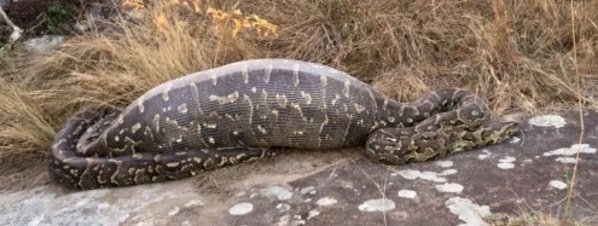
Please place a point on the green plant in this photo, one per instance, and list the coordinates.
(54, 16)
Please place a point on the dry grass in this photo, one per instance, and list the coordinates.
(516, 54)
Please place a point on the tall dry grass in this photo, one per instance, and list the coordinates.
(516, 54)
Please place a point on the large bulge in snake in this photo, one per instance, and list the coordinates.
(257, 104)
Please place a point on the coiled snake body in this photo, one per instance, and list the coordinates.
(244, 110)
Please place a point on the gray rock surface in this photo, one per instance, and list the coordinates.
(531, 172)
(43, 43)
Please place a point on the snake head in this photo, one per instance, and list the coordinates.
(499, 131)
(404, 145)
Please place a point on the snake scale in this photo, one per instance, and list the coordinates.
(246, 110)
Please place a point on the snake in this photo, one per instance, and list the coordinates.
(251, 109)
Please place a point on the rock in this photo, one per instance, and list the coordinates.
(326, 188)
(43, 43)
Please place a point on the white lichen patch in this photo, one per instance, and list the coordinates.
(582, 148)
(514, 140)
(508, 159)
(298, 220)
(409, 194)
(447, 172)
(555, 121)
(283, 207)
(484, 155)
(410, 174)
(193, 203)
(174, 211)
(472, 214)
(326, 201)
(449, 188)
(374, 205)
(284, 220)
(444, 163)
(308, 190)
(276, 191)
(103, 205)
(505, 165)
(566, 159)
(506, 162)
(241, 209)
(558, 184)
(312, 213)
(407, 174)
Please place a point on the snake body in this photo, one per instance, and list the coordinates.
(245, 110)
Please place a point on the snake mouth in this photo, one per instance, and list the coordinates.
(398, 146)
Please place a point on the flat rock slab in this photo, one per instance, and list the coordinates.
(531, 172)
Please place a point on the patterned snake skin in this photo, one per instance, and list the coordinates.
(245, 110)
